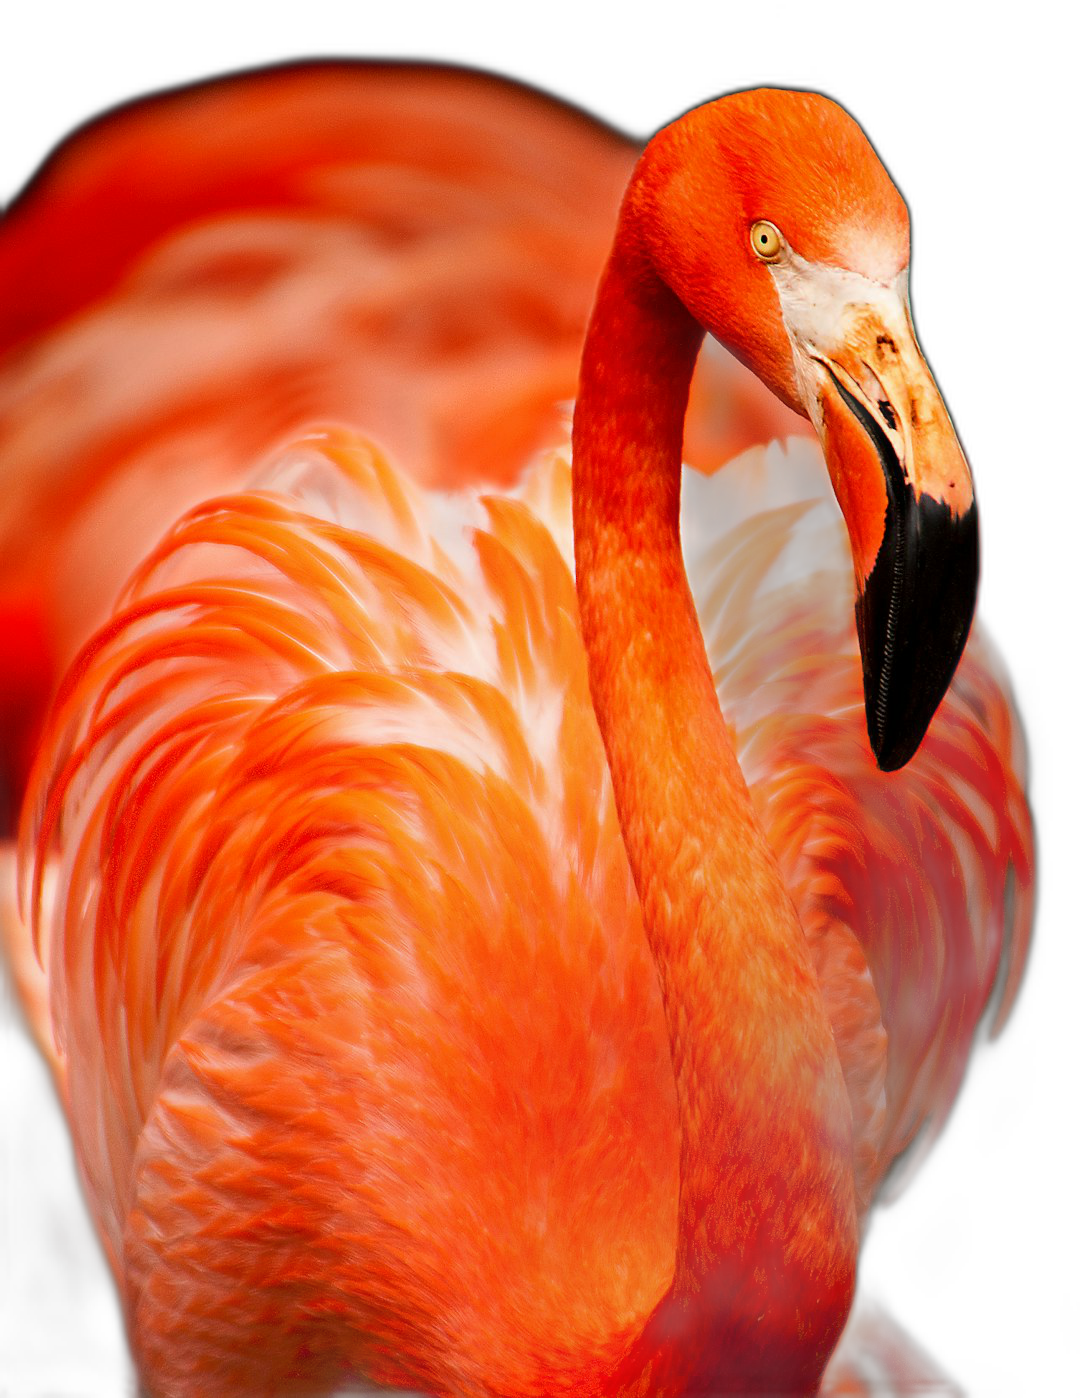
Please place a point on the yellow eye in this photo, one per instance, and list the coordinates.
(766, 240)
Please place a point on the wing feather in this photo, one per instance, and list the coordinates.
(916, 889)
(296, 742)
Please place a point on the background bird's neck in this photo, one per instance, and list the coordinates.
(764, 1263)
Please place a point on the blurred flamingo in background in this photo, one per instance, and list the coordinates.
(440, 990)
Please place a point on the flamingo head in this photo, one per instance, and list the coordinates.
(772, 219)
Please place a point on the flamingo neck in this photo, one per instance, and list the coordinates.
(766, 1245)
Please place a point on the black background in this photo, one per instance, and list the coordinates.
(963, 1260)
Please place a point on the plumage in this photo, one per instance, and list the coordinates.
(360, 1029)
(417, 259)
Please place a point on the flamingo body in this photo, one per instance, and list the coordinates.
(361, 1032)
(342, 730)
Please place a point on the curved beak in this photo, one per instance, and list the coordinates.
(906, 493)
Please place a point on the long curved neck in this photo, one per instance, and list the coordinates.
(765, 1253)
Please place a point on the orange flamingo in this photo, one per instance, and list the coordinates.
(448, 995)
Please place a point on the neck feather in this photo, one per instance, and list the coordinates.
(765, 1253)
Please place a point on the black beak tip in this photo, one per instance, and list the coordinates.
(913, 618)
(893, 753)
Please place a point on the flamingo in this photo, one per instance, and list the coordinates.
(443, 990)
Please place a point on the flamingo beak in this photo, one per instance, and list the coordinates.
(906, 493)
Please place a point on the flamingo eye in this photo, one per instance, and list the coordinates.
(766, 240)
